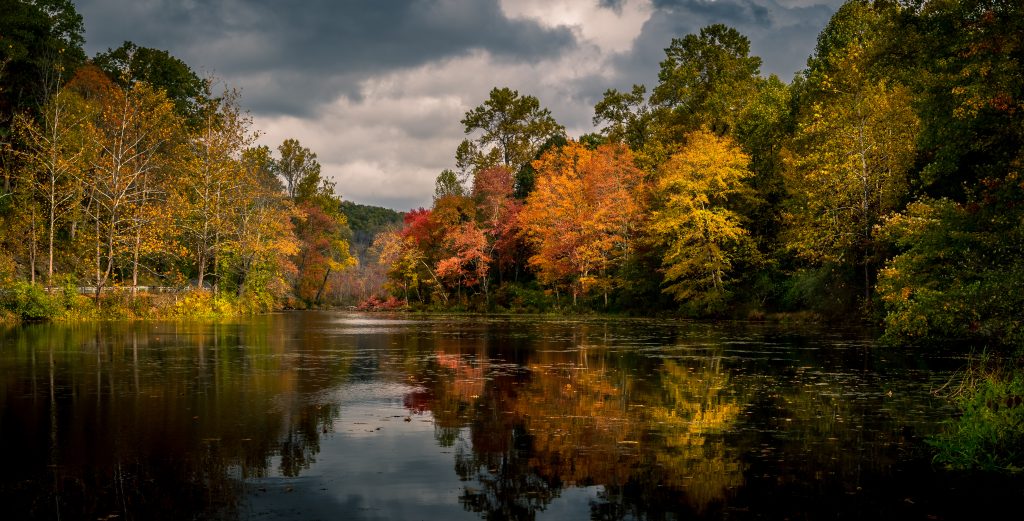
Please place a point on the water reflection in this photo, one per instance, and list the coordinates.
(366, 416)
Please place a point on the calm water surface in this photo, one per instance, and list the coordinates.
(352, 416)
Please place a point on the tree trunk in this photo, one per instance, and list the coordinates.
(135, 263)
(202, 268)
(53, 220)
(32, 248)
(322, 285)
(98, 245)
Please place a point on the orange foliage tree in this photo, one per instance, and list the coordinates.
(498, 215)
(582, 216)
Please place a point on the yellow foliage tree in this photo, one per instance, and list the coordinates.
(57, 154)
(133, 133)
(205, 198)
(701, 235)
(847, 167)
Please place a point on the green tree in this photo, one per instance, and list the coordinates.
(40, 47)
(959, 271)
(512, 127)
(626, 116)
(447, 184)
(706, 80)
(971, 75)
(131, 63)
(298, 166)
(763, 129)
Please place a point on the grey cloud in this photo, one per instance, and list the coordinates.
(729, 12)
(410, 68)
(614, 5)
(782, 35)
(317, 49)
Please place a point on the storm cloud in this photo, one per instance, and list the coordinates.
(377, 88)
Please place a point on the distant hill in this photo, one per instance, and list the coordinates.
(366, 222)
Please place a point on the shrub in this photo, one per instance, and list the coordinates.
(375, 304)
(29, 301)
(523, 298)
(989, 433)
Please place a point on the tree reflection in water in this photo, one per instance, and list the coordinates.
(160, 422)
(579, 417)
(618, 419)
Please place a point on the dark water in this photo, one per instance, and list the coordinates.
(347, 416)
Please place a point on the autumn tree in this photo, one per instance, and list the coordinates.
(261, 241)
(205, 199)
(582, 216)
(320, 226)
(40, 47)
(56, 152)
(447, 235)
(702, 235)
(323, 249)
(402, 261)
(131, 133)
(850, 159)
(467, 264)
(498, 216)
(259, 162)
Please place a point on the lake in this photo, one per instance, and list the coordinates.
(333, 415)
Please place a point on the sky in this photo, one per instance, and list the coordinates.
(376, 88)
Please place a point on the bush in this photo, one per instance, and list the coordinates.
(989, 434)
(29, 301)
(375, 304)
(522, 298)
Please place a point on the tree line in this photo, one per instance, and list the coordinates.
(882, 182)
(129, 169)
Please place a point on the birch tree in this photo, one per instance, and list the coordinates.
(132, 133)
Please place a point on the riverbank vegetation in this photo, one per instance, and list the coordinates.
(884, 183)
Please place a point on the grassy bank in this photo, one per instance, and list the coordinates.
(25, 302)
